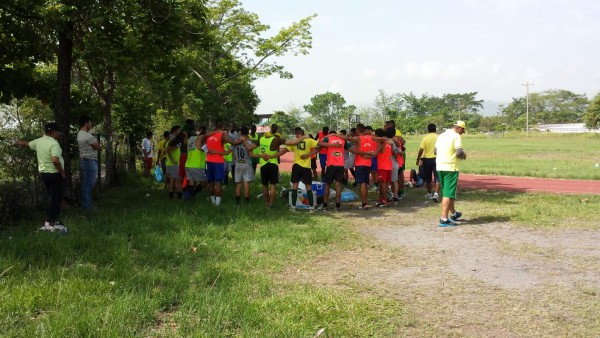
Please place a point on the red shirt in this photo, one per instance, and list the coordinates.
(215, 142)
(335, 156)
(384, 159)
(320, 137)
(366, 145)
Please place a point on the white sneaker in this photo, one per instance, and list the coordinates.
(60, 227)
(429, 196)
(436, 198)
(47, 227)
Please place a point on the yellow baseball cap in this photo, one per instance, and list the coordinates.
(461, 124)
(398, 133)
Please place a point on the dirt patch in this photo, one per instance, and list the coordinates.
(490, 279)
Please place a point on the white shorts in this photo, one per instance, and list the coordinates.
(243, 173)
(173, 171)
(196, 174)
(349, 161)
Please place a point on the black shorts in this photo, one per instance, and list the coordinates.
(301, 174)
(269, 173)
(429, 169)
(313, 163)
(362, 174)
(334, 173)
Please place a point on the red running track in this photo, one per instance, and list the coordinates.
(505, 183)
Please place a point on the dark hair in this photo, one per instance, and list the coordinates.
(379, 132)
(392, 122)
(353, 130)
(325, 130)
(244, 130)
(219, 124)
(176, 140)
(390, 132)
(175, 128)
(332, 132)
(253, 127)
(274, 128)
(431, 128)
(368, 128)
(343, 132)
(299, 130)
(149, 134)
(189, 122)
(166, 134)
(83, 120)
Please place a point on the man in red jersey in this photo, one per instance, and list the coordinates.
(364, 151)
(215, 163)
(384, 164)
(323, 152)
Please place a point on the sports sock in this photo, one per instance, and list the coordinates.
(294, 197)
(213, 199)
(217, 201)
(311, 200)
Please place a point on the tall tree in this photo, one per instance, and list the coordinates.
(592, 115)
(237, 48)
(328, 109)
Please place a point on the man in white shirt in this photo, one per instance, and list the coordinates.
(147, 153)
(88, 160)
(448, 150)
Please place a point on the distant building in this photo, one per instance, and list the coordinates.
(566, 128)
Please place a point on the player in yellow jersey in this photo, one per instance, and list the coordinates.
(301, 170)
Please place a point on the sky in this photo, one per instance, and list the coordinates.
(434, 47)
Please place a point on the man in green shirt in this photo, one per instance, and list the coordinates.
(51, 168)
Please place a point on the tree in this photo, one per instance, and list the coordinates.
(592, 114)
(236, 49)
(285, 122)
(328, 109)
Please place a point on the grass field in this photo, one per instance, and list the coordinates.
(537, 155)
(153, 267)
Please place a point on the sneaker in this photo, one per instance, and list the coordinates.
(58, 226)
(401, 196)
(365, 207)
(447, 223)
(324, 209)
(383, 204)
(429, 196)
(436, 198)
(47, 227)
(293, 209)
(457, 215)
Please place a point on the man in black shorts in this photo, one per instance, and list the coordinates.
(335, 145)
(426, 158)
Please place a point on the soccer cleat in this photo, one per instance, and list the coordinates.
(436, 198)
(58, 226)
(382, 204)
(456, 216)
(47, 227)
(401, 196)
(446, 223)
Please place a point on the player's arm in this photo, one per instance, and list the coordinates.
(419, 157)
(250, 145)
(277, 142)
(313, 152)
(281, 152)
(227, 139)
(353, 139)
(21, 143)
(295, 141)
(58, 166)
(329, 145)
(460, 153)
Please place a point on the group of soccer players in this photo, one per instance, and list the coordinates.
(201, 158)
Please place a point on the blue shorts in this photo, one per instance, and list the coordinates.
(374, 164)
(362, 174)
(323, 160)
(215, 172)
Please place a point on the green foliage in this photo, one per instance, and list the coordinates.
(330, 110)
(285, 122)
(592, 114)
(552, 106)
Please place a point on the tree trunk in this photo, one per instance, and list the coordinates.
(110, 160)
(132, 154)
(63, 95)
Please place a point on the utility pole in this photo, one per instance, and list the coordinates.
(527, 116)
